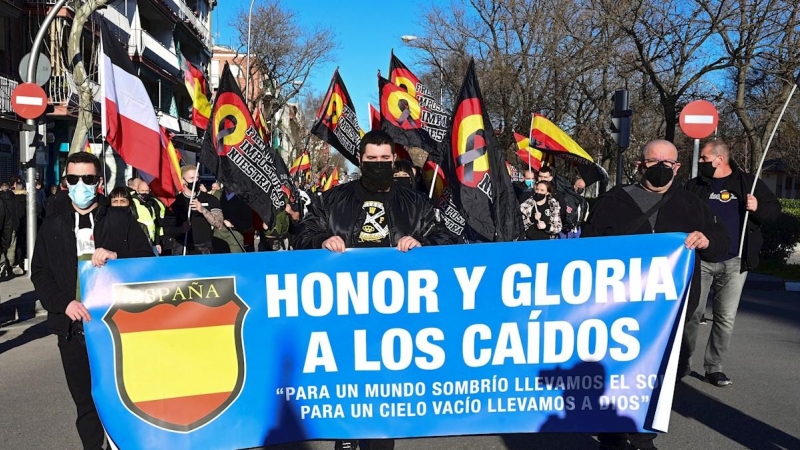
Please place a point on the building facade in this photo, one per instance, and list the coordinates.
(11, 52)
(152, 31)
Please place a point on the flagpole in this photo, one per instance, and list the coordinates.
(761, 165)
(189, 213)
(433, 180)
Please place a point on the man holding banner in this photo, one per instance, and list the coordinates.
(654, 205)
(80, 227)
(370, 213)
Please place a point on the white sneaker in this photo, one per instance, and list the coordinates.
(18, 270)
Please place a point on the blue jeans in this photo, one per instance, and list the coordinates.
(728, 283)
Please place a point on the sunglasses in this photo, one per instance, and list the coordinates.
(87, 179)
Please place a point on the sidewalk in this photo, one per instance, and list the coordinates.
(17, 300)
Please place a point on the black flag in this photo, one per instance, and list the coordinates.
(476, 170)
(235, 152)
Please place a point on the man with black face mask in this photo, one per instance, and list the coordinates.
(371, 212)
(150, 212)
(726, 190)
(656, 205)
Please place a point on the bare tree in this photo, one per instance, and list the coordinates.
(762, 39)
(80, 72)
(283, 51)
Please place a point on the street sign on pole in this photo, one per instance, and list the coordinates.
(43, 69)
(699, 119)
(29, 101)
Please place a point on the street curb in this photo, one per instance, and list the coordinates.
(772, 285)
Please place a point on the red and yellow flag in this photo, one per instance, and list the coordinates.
(374, 117)
(179, 364)
(302, 163)
(548, 137)
(168, 181)
(332, 180)
(196, 84)
(528, 155)
(260, 124)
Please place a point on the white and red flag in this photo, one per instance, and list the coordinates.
(129, 119)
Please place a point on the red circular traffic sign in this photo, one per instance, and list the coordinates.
(699, 119)
(29, 101)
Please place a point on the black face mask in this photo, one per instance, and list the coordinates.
(658, 175)
(406, 182)
(144, 197)
(580, 191)
(377, 175)
(706, 169)
(196, 187)
(539, 197)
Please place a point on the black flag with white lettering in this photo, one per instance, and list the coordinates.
(235, 152)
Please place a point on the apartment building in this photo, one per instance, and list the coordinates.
(152, 31)
(11, 52)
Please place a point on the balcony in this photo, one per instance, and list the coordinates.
(61, 91)
(150, 48)
(185, 14)
(7, 85)
(187, 127)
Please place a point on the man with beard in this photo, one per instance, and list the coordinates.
(79, 226)
(371, 212)
(656, 205)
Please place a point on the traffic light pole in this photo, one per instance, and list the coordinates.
(26, 153)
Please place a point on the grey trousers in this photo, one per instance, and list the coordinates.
(727, 282)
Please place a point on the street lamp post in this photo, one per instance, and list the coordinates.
(247, 76)
(410, 37)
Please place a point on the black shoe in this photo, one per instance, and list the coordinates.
(718, 379)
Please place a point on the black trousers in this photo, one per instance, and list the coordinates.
(75, 360)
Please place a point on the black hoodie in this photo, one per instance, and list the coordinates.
(54, 269)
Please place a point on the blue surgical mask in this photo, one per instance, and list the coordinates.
(81, 194)
(529, 183)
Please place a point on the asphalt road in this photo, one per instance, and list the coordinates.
(760, 411)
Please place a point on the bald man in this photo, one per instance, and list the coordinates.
(639, 209)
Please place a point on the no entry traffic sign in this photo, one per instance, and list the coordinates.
(29, 101)
(699, 119)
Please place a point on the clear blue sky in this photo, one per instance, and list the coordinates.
(367, 31)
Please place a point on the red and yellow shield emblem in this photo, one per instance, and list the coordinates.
(178, 347)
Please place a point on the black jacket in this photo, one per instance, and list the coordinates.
(615, 210)
(740, 184)
(341, 213)
(54, 269)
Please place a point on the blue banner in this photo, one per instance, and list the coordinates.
(244, 350)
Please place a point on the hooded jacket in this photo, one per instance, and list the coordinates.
(684, 212)
(740, 183)
(341, 213)
(54, 268)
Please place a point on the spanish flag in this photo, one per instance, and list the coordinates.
(332, 180)
(167, 182)
(530, 156)
(301, 164)
(196, 84)
(551, 139)
(178, 365)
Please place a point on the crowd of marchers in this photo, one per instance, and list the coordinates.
(388, 207)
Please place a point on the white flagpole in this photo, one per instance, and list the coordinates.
(761, 165)
(433, 180)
